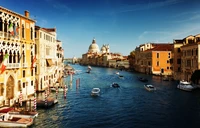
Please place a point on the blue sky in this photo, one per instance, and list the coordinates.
(123, 24)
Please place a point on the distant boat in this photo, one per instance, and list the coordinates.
(115, 85)
(117, 73)
(95, 91)
(142, 79)
(149, 87)
(89, 69)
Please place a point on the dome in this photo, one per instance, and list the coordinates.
(103, 49)
(93, 47)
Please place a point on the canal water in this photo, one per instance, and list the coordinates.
(130, 106)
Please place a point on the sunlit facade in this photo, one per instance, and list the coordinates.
(49, 67)
(17, 50)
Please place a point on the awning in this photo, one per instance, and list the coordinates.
(49, 62)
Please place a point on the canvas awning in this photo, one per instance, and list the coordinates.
(49, 62)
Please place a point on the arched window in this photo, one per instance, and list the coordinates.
(35, 49)
(22, 31)
(1, 25)
(31, 33)
(5, 26)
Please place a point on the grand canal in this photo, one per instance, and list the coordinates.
(130, 106)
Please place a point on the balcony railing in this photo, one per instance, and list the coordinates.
(12, 65)
(8, 35)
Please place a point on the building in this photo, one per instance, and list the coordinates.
(49, 66)
(154, 58)
(103, 57)
(17, 53)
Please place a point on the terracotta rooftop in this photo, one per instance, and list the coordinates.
(161, 47)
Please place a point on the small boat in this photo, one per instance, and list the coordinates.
(142, 79)
(149, 87)
(117, 73)
(59, 89)
(7, 120)
(16, 113)
(184, 85)
(89, 69)
(95, 91)
(115, 85)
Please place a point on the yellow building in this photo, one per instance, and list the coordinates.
(16, 41)
(154, 58)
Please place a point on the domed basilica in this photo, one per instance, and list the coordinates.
(94, 48)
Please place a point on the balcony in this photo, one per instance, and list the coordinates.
(8, 36)
(12, 65)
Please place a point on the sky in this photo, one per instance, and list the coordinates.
(123, 24)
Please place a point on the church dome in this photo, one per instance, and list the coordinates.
(93, 48)
(103, 49)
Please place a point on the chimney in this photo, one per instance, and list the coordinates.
(26, 13)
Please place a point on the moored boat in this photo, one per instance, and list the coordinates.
(59, 89)
(19, 113)
(149, 87)
(7, 120)
(184, 85)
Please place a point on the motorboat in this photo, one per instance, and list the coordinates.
(149, 87)
(59, 89)
(142, 79)
(117, 73)
(115, 85)
(185, 85)
(16, 112)
(7, 120)
(95, 92)
(89, 69)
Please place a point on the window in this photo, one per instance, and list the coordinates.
(178, 61)
(24, 85)
(31, 33)
(179, 50)
(157, 63)
(1, 89)
(1, 25)
(179, 69)
(23, 31)
(32, 72)
(157, 55)
(40, 34)
(31, 83)
(24, 73)
(35, 35)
